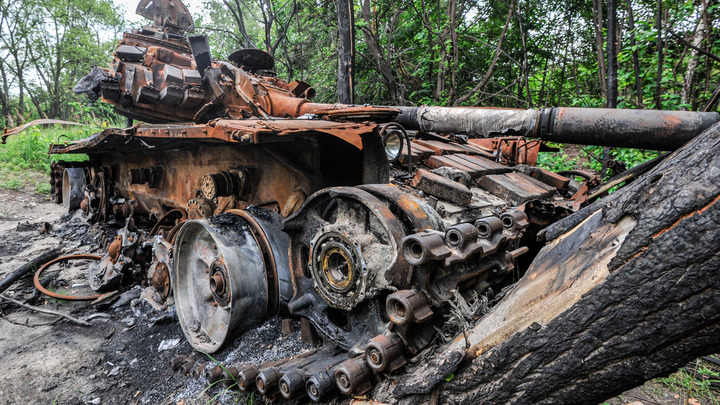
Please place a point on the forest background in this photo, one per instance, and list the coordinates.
(490, 53)
(500, 53)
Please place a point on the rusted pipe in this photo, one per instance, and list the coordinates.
(642, 129)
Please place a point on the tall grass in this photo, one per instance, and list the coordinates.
(25, 162)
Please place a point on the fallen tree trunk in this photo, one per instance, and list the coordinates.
(28, 267)
(629, 291)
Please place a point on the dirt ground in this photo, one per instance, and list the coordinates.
(124, 357)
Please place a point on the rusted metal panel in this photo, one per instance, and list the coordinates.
(510, 150)
(474, 166)
(441, 187)
(440, 161)
(487, 166)
(443, 148)
(232, 131)
(515, 187)
(166, 13)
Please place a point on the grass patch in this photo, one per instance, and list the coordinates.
(25, 162)
(586, 158)
(229, 384)
(696, 381)
(12, 182)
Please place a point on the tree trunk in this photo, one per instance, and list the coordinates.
(612, 62)
(658, 83)
(612, 70)
(396, 90)
(687, 89)
(635, 57)
(525, 73)
(453, 61)
(4, 98)
(597, 13)
(346, 51)
(626, 290)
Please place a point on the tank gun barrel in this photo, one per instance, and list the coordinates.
(642, 129)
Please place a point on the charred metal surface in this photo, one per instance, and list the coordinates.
(645, 129)
(440, 187)
(516, 187)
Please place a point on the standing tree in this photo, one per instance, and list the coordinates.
(346, 51)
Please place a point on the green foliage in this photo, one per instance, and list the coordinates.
(432, 51)
(12, 183)
(555, 163)
(46, 46)
(24, 160)
(233, 383)
(695, 383)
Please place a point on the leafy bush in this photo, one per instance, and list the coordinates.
(26, 154)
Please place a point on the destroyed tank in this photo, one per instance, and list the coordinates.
(384, 229)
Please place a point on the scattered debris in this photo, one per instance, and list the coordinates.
(168, 344)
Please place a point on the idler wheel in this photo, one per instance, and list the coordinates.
(225, 281)
(95, 201)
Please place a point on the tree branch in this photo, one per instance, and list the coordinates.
(45, 311)
(689, 45)
(489, 73)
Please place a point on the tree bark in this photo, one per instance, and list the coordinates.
(699, 35)
(658, 83)
(396, 89)
(346, 51)
(612, 70)
(635, 57)
(526, 78)
(597, 14)
(629, 291)
(612, 62)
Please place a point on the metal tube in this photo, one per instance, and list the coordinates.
(642, 129)
(478, 122)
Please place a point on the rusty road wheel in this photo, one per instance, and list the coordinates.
(228, 276)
